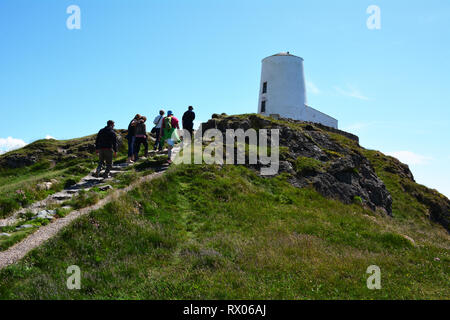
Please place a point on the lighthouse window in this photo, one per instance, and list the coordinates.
(263, 106)
(264, 87)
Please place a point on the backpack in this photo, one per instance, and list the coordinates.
(168, 123)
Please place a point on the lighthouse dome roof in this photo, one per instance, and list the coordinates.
(284, 54)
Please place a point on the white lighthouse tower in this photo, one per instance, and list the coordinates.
(283, 91)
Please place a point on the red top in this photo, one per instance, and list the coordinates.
(174, 122)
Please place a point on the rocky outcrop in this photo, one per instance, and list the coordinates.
(351, 179)
(20, 160)
(332, 162)
(438, 205)
(400, 169)
(313, 158)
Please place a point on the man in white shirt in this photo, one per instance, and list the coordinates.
(158, 122)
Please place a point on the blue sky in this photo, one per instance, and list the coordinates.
(390, 86)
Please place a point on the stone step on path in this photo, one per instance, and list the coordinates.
(85, 183)
(20, 249)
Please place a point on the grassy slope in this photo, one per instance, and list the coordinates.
(210, 232)
(405, 206)
(48, 167)
(67, 168)
(64, 170)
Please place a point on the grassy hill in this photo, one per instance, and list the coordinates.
(60, 162)
(224, 232)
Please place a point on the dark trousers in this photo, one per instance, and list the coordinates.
(189, 127)
(131, 141)
(137, 146)
(105, 156)
(158, 142)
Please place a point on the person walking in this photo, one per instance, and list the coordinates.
(158, 123)
(188, 120)
(106, 148)
(141, 137)
(131, 137)
(169, 133)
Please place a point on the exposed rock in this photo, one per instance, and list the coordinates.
(286, 166)
(119, 166)
(44, 186)
(341, 173)
(400, 169)
(45, 214)
(60, 196)
(87, 148)
(438, 205)
(19, 160)
(4, 234)
(24, 226)
(105, 188)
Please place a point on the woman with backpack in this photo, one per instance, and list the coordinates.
(141, 138)
(169, 133)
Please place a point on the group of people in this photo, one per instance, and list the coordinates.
(137, 136)
(164, 130)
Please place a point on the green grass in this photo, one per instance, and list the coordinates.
(65, 161)
(6, 242)
(84, 199)
(210, 232)
(18, 187)
(405, 205)
(223, 232)
(305, 166)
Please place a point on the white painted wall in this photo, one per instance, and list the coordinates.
(286, 90)
(313, 115)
